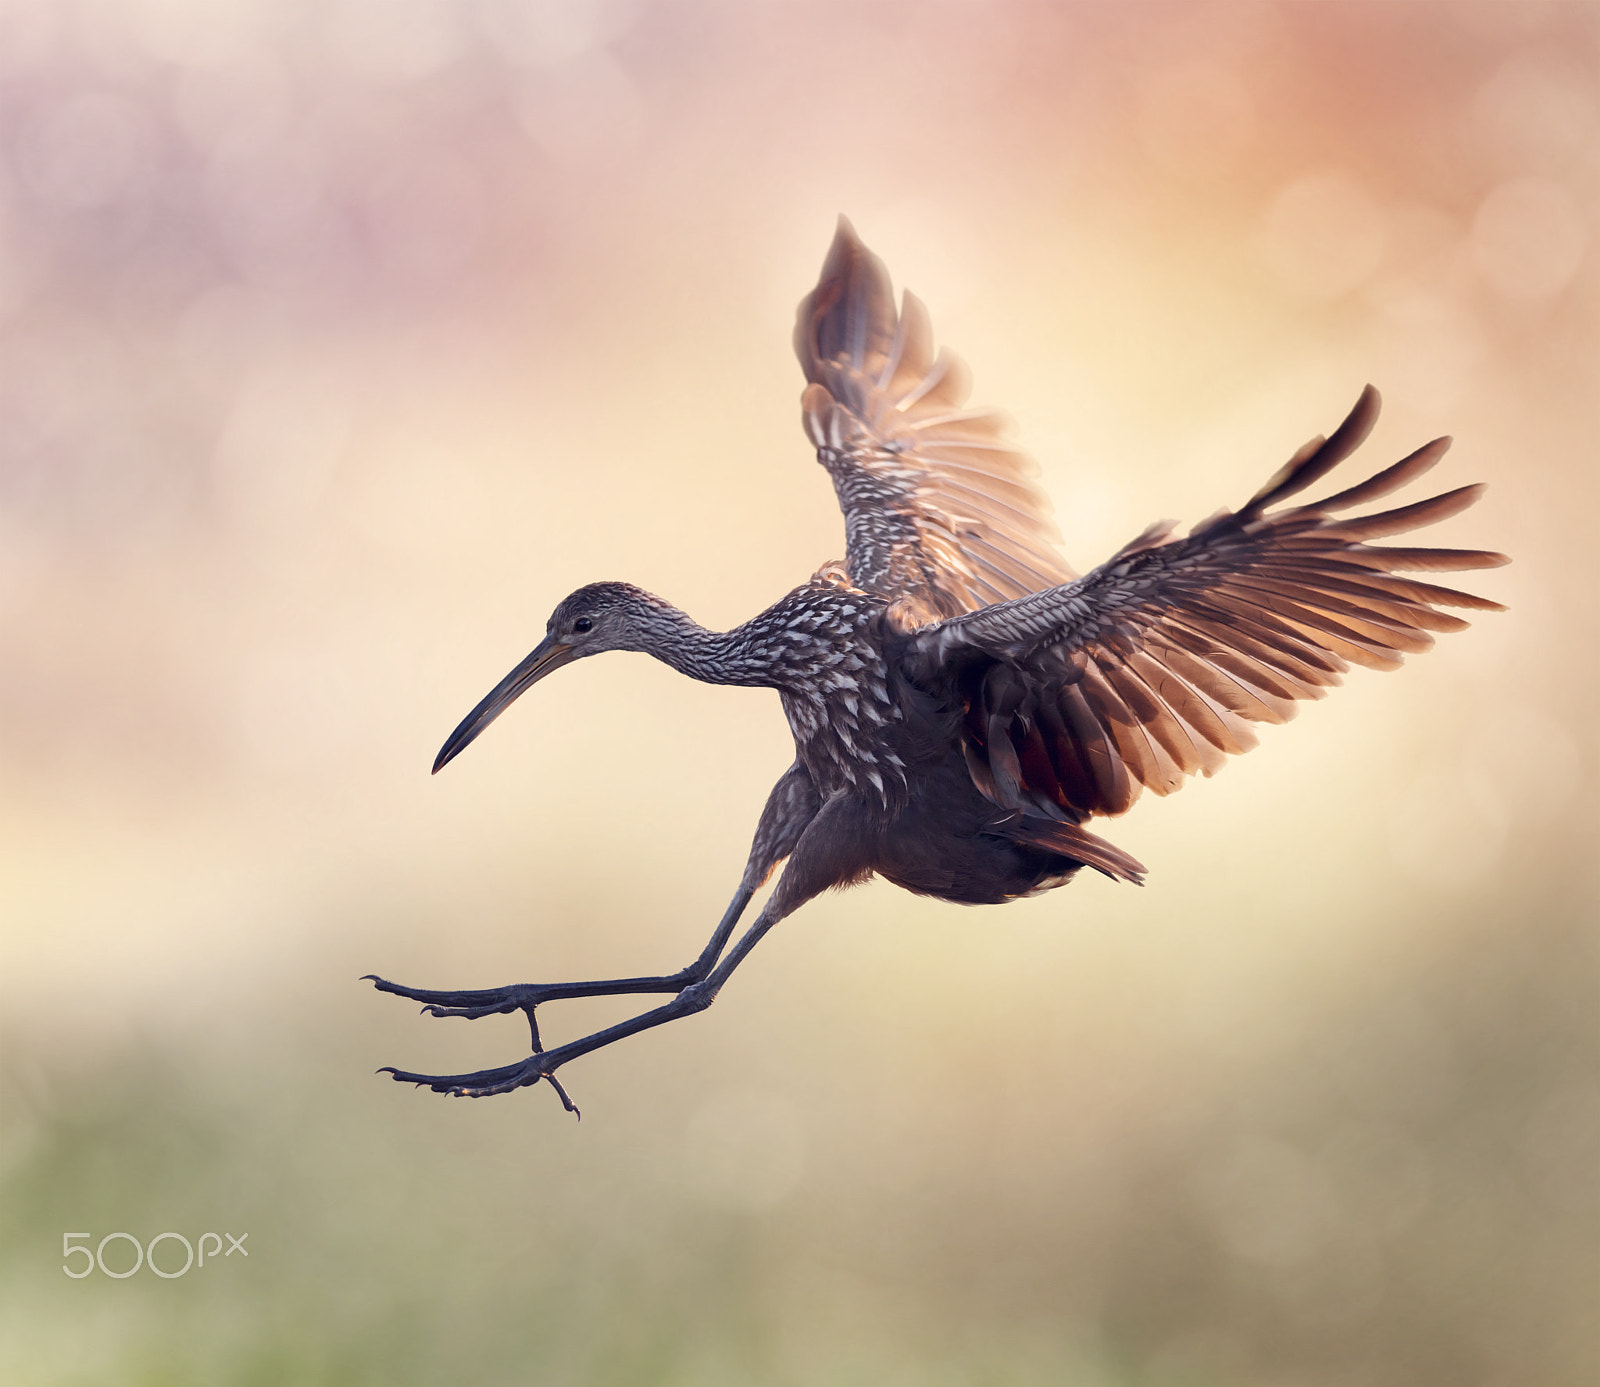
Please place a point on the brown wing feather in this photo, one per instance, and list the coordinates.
(1154, 666)
(941, 512)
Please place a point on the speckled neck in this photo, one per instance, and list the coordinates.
(713, 657)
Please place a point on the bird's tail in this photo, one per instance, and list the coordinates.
(1070, 840)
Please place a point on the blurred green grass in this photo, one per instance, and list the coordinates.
(1398, 1189)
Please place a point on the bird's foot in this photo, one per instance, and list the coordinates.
(689, 996)
(473, 1003)
(470, 1002)
(485, 1083)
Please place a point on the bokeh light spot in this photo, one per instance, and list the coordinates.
(395, 40)
(1529, 238)
(197, 33)
(543, 33)
(1270, 1202)
(1536, 114)
(1324, 235)
(235, 110)
(87, 149)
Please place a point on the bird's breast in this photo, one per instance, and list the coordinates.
(822, 646)
(846, 729)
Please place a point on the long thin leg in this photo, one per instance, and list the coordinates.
(817, 864)
(542, 1064)
(790, 807)
(490, 1001)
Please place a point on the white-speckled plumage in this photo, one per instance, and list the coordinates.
(961, 703)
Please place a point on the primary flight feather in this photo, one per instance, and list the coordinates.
(962, 703)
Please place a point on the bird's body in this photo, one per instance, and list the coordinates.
(870, 736)
(961, 702)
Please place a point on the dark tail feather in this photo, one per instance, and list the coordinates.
(1078, 843)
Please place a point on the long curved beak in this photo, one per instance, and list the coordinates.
(549, 654)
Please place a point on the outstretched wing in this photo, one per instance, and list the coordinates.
(1153, 666)
(941, 513)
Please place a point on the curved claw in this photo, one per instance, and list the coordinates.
(484, 1083)
(561, 1093)
(475, 1013)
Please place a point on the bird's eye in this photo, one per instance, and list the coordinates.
(583, 624)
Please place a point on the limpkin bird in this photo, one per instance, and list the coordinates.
(962, 703)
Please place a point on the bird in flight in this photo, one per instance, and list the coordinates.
(962, 702)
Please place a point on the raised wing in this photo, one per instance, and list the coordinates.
(1153, 666)
(941, 513)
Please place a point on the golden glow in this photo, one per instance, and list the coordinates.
(338, 342)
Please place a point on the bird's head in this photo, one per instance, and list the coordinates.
(600, 616)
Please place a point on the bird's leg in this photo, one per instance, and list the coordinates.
(792, 805)
(825, 856)
(490, 1001)
(526, 997)
(542, 1064)
(555, 1083)
(789, 809)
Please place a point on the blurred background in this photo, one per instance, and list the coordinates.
(338, 341)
